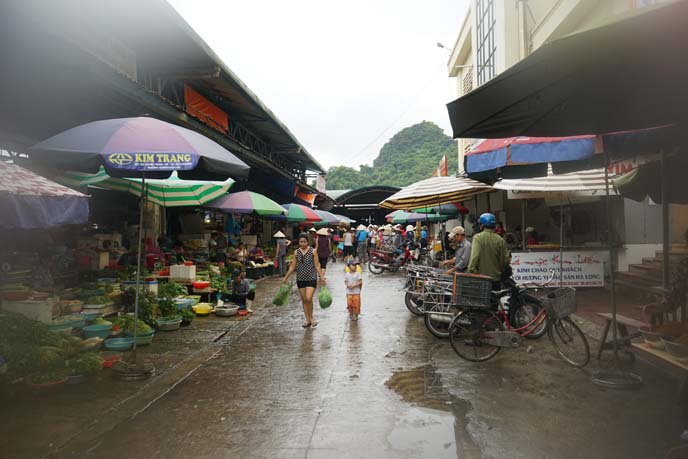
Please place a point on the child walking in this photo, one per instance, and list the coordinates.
(353, 282)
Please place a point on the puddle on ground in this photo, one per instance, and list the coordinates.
(436, 425)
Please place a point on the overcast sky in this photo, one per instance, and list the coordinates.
(343, 76)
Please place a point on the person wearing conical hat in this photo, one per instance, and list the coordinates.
(281, 251)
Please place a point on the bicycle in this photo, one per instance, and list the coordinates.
(477, 333)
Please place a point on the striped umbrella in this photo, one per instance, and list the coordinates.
(299, 213)
(327, 218)
(170, 192)
(435, 191)
(247, 202)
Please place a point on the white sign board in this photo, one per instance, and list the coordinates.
(581, 269)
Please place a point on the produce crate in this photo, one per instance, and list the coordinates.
(472, 291)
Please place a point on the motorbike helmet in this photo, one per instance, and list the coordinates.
(487, 220)
(410, 228)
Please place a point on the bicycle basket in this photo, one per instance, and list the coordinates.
(471, 290)
(560, 303)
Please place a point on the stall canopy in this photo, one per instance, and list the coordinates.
(623, 75)
(582, 183)
(412, 217)
(29, 201)
(435, 191)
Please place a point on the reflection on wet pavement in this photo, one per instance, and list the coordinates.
(380, 387)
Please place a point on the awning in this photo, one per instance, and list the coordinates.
(589, 183)
(628, 74)
(435, 191)
(29, 201)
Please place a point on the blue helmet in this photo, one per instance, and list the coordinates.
(487, 220)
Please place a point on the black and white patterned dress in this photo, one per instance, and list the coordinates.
(305, 266)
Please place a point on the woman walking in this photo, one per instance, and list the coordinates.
(307, 267)
(323, 247)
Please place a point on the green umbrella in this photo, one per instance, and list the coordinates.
(247, 202)
(170, 192)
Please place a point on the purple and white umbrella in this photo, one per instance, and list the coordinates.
(138, 147)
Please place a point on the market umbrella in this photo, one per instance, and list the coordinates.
(412, 217)
(170, 192)
(391, 215)
(435, 191)
(344, 219)
(30, 201)
(590, 82)
(247, 202)
(327, 218)
(300, 213)
(138, 147)
(451, 209)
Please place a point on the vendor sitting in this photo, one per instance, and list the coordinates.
(241, 292)
(178, 249)
(256, 254)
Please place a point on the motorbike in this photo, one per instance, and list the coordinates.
(391, 260)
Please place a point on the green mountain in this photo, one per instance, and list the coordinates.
(412, 154)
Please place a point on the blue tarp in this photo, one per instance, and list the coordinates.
(33, 212)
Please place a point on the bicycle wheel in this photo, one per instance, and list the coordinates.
(525, 313)
(414, 303)
(438, 325)
(467, 334)
(569, 341)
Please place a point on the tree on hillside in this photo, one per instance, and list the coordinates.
(412, 154)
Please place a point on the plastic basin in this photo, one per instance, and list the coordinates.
(61, 326)
(77, 320)
(119, 344)
(184, 303)
(143, 339)
(97, 331)
(170, 324)
(202, 309)
(90, 316)
(196, 299)
(200, 285)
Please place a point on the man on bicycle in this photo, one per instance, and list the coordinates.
(463, 251)
(489, 255)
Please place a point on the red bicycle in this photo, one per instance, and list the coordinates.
(478, 332)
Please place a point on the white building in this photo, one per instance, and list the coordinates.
(496, 34)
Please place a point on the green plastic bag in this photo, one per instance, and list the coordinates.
(282, 295)
(324, 297)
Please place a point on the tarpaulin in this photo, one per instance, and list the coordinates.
(206, 111)
(29, 201)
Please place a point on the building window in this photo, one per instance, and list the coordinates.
(485, 28)
(467, 83)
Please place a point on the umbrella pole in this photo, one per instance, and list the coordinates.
(561, 240)
(142, 204)
(615, 378)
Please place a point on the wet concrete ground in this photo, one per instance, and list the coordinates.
(381, 387)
